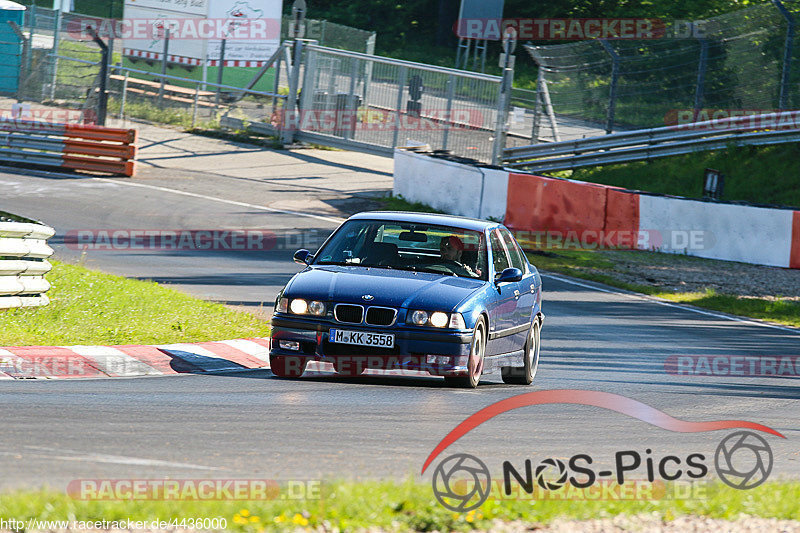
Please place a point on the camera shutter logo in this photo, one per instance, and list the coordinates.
(461, 482)
(551, 484)
(743, 460)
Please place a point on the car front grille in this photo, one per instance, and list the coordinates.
(381, 316)
(348, 313)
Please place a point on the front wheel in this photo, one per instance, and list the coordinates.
(476, 360)
(523, 375)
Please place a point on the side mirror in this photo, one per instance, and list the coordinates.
(303, 256)
(509, 275)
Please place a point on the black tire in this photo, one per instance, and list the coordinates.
(523, 375)
(477, 353)
(287, 366)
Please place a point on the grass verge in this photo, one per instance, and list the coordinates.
(758, 174)
(399, 506)
(90, 307)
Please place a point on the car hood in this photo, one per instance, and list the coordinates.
(392, 288)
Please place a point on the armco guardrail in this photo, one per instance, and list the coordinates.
(639, 145)
(23, 262)
(69, 146)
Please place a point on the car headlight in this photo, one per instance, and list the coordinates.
(420, 318)
(439, 319)
(299, 306)
(317, 308)
(282, 306)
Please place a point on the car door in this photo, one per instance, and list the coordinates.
(526, 297)
(501, 317)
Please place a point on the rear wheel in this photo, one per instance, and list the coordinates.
(523, 375)
(476, 360)
(287, 366)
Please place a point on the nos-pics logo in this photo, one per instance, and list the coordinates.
(462, 482)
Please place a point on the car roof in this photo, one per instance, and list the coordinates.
(473, 224)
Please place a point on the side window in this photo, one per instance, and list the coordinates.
(517, 261)
(498, 254)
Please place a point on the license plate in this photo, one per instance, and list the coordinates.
(362, 338)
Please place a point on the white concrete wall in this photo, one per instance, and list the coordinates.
(747, 234)
(450, 187)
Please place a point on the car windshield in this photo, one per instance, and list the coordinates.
(407, 246)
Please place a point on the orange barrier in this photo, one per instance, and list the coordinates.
(73, 146)
(794, 258)
(622, 218)
(553, 205)
(576, 212)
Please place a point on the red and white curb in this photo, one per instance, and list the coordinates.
(62, 362)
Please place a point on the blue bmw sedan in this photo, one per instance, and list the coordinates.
(452, 296)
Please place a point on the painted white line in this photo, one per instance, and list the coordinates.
(671, 304)
(104, 458)
(115, 362)
(251, 348)
(335, 220)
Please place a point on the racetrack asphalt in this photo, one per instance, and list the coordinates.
(253, 425)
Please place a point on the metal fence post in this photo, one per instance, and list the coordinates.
(54, 58)
(102, 100)
(612, 91)
(448, 120)
(194, 104)
(220, 69)
(699, 91)
(401, 87)
(287, 135)
(503, 102)
(124, 96)
(783, 101)
(163, 68)
(537, 106)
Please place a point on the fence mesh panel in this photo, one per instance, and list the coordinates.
(735, 64)
(391, 103)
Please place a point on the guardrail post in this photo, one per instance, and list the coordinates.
(165, 54)
(401, 87)
(783, 101)
(699, 91)
(287, 135)
(612, 91)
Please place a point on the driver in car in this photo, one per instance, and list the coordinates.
(452, 248)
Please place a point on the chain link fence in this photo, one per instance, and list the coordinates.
(744, 60)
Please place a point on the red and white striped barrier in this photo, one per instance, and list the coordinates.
(600, 215)
(64, 362)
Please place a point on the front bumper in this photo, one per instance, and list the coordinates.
(444, 352)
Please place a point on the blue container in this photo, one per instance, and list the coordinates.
(10, 46)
